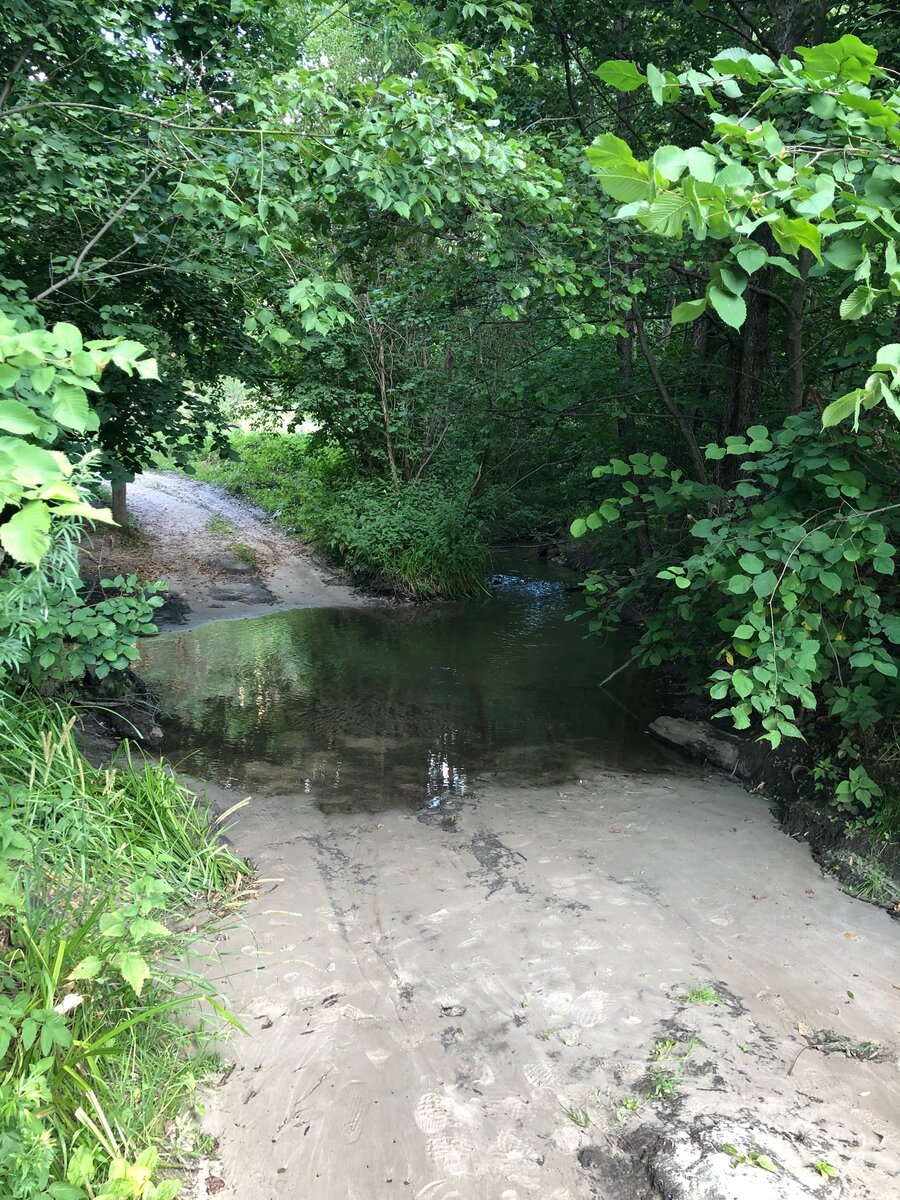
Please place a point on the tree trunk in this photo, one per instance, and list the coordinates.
(119, 509)
(696, 455)
(795, 335)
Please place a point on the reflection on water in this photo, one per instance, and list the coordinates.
(365, 709)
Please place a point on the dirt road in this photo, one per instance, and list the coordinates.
(223, 557)
(490, 1003)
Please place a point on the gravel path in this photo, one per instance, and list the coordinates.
(222, 556)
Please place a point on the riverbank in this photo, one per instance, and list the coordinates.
(583, 989)
(566, 978)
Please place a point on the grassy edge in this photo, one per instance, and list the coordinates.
(114, 883)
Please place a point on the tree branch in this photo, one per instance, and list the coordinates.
(684, 427)
(16, 68)
(89, 245)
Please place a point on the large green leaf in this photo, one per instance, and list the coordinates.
(621, 75)
(671, 162)
(688, 310)
(18, 418)
(859, 303)
(792, 234)
(26, 535)
(621, 175)
(70, 407)
(730, 308)
(666, 215)
(31, 465)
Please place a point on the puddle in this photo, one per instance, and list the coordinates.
(366, 709)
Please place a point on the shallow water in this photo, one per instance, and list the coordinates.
(366, 709)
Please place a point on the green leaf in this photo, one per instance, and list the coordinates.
(147, 368)
(739, 584)
(666, 215)
(657, 81)
(670, 162)
(751, 563)
(734, 279)
(578, 527)
(26, 535)
(844, 253)
(9, 376)
(68, 336)
(763, 1160)
(88, 968)
(133, 969)
(70, 407)
(888, 357)
(621, 175)
(794, 234)
(734, 176)
(18, 417)
(622, 75)
(751, 257)
(700, 164)
(765, 584)
(731, 309)
(33, 466)
(859, 303)
(848, 58)
(688, 310)
(830, 580)
(841, 408)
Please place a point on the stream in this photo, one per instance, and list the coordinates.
(364, 709)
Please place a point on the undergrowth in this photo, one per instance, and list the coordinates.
(417, 540)
(107, 880)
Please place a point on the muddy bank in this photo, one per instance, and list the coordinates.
(485, 1002)
(220, 556)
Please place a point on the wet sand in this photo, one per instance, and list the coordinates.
(438, 1001)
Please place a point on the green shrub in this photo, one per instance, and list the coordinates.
(417, 540)
(777, 593)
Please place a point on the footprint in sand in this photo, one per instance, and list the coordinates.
(539, 1075)
(350, 1105)
(431, 1113)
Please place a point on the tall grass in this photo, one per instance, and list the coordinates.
(107, 879)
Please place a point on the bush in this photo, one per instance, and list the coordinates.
(418, 540)
(101, 872)
(777, 593)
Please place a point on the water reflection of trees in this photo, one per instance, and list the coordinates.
(343, 698)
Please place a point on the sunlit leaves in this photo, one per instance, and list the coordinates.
(624, 76)
(621, 175)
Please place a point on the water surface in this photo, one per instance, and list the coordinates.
(370, 708)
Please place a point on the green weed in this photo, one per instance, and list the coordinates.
(706, 994)
(578, 1116)
(217, 524)
(417, 540)
(754, 1158)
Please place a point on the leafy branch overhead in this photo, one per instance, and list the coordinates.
(800, 172)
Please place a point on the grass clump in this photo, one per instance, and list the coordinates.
(706, 994)
(103, 875)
